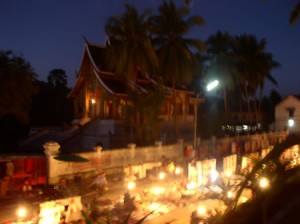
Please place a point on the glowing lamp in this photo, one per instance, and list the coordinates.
(21, 212)
(178, 170)
(264, 183)
(230, 194)
(228, 173)
(212, 85)
(131, 185)
(161, 175)
(201, 211)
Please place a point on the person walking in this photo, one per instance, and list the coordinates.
(100, 182)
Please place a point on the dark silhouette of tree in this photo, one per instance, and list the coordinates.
(130, 54)
(17, 87)
(222, 63)
(57, 77)
(175, 50)
(130, 50)
(254, 65)
(51, 106)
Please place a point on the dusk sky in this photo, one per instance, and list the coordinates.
(50, 33)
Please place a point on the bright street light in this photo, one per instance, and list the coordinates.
(212, 85)
(209, 87)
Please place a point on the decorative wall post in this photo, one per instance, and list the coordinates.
(51, 150)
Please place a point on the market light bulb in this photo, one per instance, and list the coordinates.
(178, 170)
(131, 185)
(161, 175)
(230, 194)
(228, 173)
(201, 211)
(21, 212)
(264, 182)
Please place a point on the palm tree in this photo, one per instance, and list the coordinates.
(254, 64)
(177, 60)
(222, 63)
(131, 53)
(265, 65)
(131, 49)
(295, 14)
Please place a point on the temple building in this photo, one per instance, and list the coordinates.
(99, 95)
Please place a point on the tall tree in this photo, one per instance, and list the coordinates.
(222, 63)
(17, 87)
(130, 50)
(130, 53)
(254, 64)
(175, 50)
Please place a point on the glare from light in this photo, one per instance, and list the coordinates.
(245, 127)
(243, 199)
(154, 206)
(158, 190)
(21, 212)
(191, 185)
(161, 175)
(291, 123)
(228, 173)
(93, 101)
(230, 194)
(178, 170)
(214, 175)
(201, 211)
(131, 185)
(212, 85)
(264, 183)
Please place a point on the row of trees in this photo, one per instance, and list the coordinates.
(160, 44)
(140, 43)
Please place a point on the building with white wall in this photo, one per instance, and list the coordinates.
(287, 114)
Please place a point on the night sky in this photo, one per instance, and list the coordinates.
(50, 32)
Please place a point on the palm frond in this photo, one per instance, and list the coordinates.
(295, 14)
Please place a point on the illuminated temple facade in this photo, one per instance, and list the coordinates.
(99, 94)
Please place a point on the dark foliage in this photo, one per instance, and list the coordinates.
(51, 106)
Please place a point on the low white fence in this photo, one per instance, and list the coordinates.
(117, 160)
